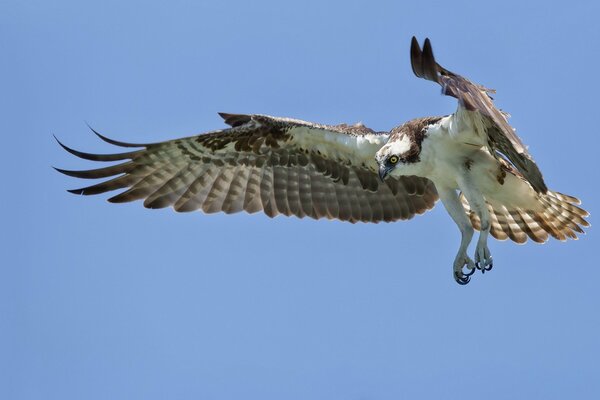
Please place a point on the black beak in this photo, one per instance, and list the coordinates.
(383, 171)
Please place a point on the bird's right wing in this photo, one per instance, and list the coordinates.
(278, 165)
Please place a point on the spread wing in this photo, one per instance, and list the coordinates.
(278, 165)
(473, 97)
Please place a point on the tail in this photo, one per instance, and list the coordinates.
(560, 218)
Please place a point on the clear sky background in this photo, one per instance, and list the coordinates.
(102, 301)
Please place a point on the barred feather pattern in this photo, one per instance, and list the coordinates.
(560, 218)
(279, 166)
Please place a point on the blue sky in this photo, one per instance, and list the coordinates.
(105, 301)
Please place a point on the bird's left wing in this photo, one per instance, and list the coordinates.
(473, 97)
(278, 165)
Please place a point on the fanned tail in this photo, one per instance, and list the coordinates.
(560, 218)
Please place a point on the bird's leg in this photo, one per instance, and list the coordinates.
(483, 257)
(454, 207)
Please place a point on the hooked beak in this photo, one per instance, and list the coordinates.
(383, 172)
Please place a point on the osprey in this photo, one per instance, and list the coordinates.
(471, 160)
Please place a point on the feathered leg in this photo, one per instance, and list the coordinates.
(454, 207)
(483, 257)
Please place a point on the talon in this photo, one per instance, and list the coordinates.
(463, 267)
(483, 268)
(462, 280)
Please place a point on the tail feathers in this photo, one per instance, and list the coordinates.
(560, 218)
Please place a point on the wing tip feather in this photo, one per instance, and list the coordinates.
(67, 172)
(423, 61)
(80, 191)
(115, 142)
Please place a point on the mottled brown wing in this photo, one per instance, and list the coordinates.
(277, 165)
(473, 97)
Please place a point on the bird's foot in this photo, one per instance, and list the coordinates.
(483, 258)
(460, 276)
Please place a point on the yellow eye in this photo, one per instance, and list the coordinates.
(393, 159)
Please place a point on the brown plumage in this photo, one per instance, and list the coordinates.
(560, 219)
(261, 163)
(558, 216)
(416, 130)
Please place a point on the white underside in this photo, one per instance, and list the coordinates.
(454, 150)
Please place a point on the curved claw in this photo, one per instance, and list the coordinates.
(463, 268)
(484, 268)
(462, 280)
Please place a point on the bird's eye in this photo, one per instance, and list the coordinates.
(393, 159)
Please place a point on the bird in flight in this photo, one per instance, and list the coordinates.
(471, 160)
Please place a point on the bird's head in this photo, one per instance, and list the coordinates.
(400, 151)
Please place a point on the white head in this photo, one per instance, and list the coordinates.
(403, 148)
(397, 152)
